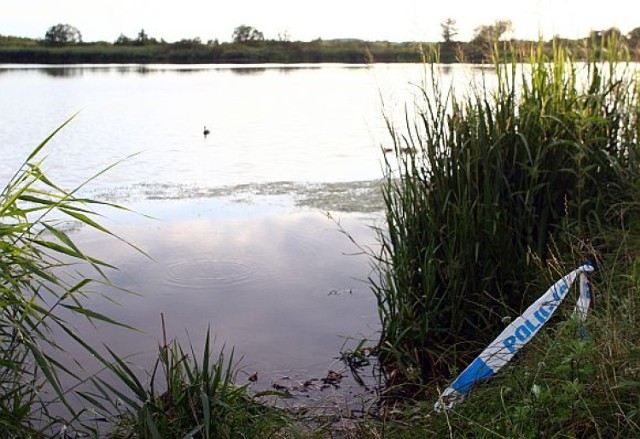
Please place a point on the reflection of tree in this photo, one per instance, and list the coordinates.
(63, 72)
(72, 72)
(248, 71)
(289, 69)
(143, 70)
(189, 71)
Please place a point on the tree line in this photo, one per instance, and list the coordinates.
(63, 43)
(60, 34)
(66, 34)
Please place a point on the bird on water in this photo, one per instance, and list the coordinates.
(206, 132)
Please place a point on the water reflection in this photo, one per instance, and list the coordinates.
(248, 71)
(315, 123)
(72, 70)
(63, 72)
(263, 278)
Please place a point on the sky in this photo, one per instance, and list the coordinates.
(392, 20)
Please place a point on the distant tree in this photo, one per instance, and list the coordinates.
(559, 40)
(62, 34)
(244, 34)
(17, 41)
(122, 40)
(284, 36)
(492, 32)
(188, 43)
(143, 38)
(607, 33)
(613, 32)
(634, 37)
(449, 29)
(486, 35)
(601, 36)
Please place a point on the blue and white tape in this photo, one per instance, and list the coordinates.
(516, 335)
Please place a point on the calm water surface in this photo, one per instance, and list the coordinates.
(239, 240)
(312, 124)
(274, 124)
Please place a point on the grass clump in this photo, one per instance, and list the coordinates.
(483, 185)
(185, 398)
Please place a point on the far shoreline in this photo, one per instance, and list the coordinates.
(345, 51)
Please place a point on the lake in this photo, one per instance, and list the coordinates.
(235, 223)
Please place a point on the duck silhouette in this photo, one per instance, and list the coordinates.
(206, 132)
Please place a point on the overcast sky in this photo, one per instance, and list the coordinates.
(393, 20)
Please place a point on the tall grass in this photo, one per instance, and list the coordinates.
(38, 284)
(482, 185)
(562, 385)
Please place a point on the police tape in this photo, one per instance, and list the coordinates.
(516, 335)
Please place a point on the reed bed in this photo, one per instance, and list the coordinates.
(566, 383)
(483, 185)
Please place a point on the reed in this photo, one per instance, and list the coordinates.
(40, 282)
(481, 185)
(187, 395)
(564, 384)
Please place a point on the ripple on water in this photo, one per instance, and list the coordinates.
(302, 241)
(204, 273)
